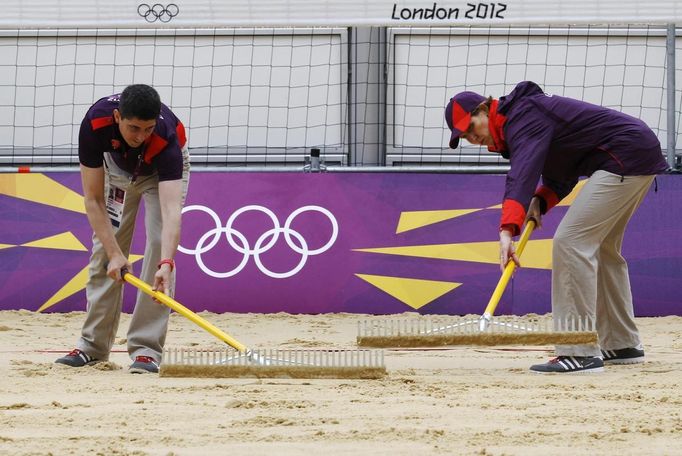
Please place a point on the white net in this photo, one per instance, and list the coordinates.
(619, 67)
(364, 95)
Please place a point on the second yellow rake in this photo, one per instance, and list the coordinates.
(246, 362)
(486, 330)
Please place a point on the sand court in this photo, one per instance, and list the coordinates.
(450, 400)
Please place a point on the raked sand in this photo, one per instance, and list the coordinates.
(450, 401)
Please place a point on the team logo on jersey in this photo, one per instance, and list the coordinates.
(115, 144)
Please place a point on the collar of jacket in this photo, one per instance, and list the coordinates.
(495, 125)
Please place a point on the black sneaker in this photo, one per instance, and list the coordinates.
(623, 356)
(77, 358)
(570, 364)
(144, 365)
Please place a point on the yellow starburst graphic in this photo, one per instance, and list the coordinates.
(62, 241)
(41, 189)
(416, 293)
(76, 284)
(538, 254)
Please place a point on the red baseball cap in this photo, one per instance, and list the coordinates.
(458, 114)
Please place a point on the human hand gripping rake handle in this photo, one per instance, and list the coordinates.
(182, 310)
(504, 280)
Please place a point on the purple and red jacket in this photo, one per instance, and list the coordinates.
(561, 139)
(161, 152)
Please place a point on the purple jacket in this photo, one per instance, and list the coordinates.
(561, 139)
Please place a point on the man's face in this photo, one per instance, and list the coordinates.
(478, 132)
(134, 131)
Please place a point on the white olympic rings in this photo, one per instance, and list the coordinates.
(265, 242)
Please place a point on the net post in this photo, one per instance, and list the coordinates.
(670, 94)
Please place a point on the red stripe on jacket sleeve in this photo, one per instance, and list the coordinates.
(182, 136)
(549, 196)
(513, 215)
(101, 122)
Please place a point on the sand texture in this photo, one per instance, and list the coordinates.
(468, 400)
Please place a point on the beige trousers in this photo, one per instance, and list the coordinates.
(589, 274)
(149, 323)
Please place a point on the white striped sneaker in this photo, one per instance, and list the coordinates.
(632, 355)
(144, 365)
(570, 364)
(77, 358)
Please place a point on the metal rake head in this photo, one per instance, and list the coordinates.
(427, 332)
(274, 363)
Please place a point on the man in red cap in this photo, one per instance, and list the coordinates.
(559, 140)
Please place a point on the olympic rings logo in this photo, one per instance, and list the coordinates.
(238, 241)
(158, 12)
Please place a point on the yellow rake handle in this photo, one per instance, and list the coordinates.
(509, 270)
(182, 310)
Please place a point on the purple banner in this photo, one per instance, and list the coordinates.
(315, 243)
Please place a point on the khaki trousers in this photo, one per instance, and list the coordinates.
(149, 323)
(589, 274)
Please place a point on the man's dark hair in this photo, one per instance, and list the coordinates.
(140, 101)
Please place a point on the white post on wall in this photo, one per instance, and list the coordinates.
(671, 111)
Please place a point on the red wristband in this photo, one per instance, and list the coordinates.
(168, 261)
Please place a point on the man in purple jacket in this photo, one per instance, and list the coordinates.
(559, 140)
